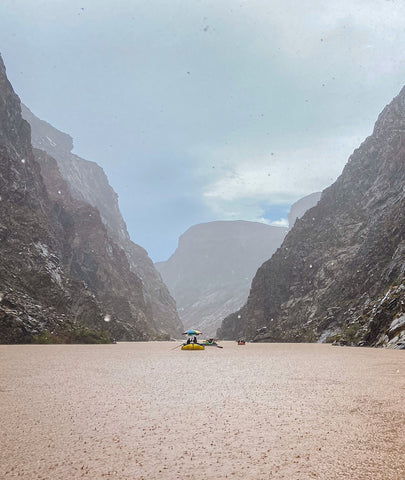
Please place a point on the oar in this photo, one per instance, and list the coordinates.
(181, 344)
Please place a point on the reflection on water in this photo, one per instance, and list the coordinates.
(151, 411)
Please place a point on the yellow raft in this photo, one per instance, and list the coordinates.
(192, 346)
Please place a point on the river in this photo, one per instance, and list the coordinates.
(144, 411)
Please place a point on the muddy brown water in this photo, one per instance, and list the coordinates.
(148, 411)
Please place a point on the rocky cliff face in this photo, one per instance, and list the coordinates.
(23, 213)
(59, 267)
(210, 273)
(339, 274)
(87, 182)
(90, 256)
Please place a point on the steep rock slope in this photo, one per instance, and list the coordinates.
(90, 256)
(210, 273)
(23, 214)
(340, 271)
(58, 265)
(87, 181)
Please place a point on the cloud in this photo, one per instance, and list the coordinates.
(207, 110)
(250, 179)
(283, 222)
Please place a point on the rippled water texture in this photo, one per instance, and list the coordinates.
(146, 411)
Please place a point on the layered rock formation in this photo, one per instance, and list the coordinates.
(339, 274)
(210, 273)
(87, 182)
(60, 268)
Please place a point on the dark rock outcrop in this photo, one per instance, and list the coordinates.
(59, 267)
(87, 182)
(210, 273)
(339, 274)
(90, 256)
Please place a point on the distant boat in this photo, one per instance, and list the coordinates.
(241, 342)
(210, 343)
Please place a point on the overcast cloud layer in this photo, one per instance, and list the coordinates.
(207, 110)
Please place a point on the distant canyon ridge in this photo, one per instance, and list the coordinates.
(211, 271)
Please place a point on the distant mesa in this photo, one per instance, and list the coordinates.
(210, 273)
(298, 208)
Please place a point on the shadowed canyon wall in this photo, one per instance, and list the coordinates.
(87, 182)
(60, 268)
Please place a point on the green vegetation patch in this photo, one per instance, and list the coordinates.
(75, 334)
(334, 338)
(161, 337)
(353, 333)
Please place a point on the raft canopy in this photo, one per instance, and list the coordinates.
(192, 332)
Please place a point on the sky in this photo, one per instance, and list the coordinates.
(203, 110)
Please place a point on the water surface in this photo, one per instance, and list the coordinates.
(151, 411)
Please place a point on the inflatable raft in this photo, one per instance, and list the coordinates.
(207, 343)
(192, 346)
